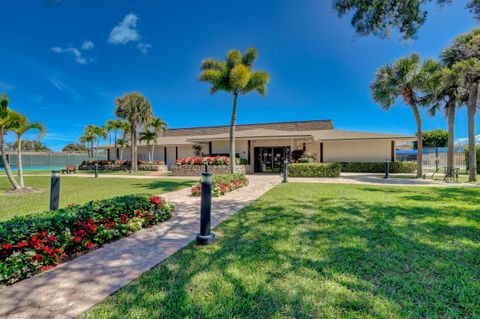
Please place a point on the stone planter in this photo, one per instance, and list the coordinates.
(197, 170)
(152, 168)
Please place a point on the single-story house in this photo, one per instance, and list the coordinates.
(263, 146)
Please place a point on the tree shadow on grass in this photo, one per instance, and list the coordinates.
(318, 258)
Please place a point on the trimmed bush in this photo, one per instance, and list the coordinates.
(35, 243)
(222, 184)
(378, 167)
(314, 170)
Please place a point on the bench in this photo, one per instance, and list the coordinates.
(69, 169)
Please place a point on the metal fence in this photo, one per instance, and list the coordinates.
(47, 161)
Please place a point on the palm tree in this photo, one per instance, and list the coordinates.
(136, 109)
(100, 133)
(114, 125)
(234, 76)
(444, 90)
(3, 105)
(122, 143)
(9, 121)
(158, 126)
(20, 131)
(405, 78)
(463, 55)
(89, 137)
(148, 136)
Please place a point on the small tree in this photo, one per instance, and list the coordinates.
(148, 136)
(114, 126)
(20, 130)
(234, 76)
(158, 126)
(10, 120)
(136, 109)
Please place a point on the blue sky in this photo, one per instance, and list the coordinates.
(64, 62)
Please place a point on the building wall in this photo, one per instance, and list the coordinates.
(223, 147)
(357, 151)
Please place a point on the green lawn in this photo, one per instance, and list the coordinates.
(78, 190)
(324, 251)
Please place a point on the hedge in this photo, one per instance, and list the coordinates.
(35, 243)
(314, 170)
(222, 184)
(378, 167)
(467, 158)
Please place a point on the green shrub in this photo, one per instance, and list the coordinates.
(467, 158)
(305, 160)
(314, 170)
(35, 243)
(378, 167)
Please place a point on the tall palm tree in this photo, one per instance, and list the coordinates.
(123, 143)
(159, 126)
(100, 133)
(136, 109)
(148, 136)
(405, 78)
(234, 75)
(20, 131)
(90, 137)
(3, 105)
(464, 56)
(114, 126)
(444, 91)
(9, 121)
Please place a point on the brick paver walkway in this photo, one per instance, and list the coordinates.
(72, 288)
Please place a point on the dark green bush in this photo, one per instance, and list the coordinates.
(36, 243)
(378, 167)
(305, 160)
(467, 158)
(314, 170)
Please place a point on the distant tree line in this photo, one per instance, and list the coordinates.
(434, 138)
(29, 146)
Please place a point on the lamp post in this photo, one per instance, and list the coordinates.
(54, 190)
(205, 237)
(96, 170)
(387, 168)
(285, 171)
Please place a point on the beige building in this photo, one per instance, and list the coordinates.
(263, 146)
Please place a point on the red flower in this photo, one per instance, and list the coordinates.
(33, 239)
(38, 257)
(7, 246)
(78, 239)
(52, 238)
(58, 250)
(124, 219)
(42, 234)
(92, 227)
(48, 250)
(22, 244)
(44, 268)
(89, 245)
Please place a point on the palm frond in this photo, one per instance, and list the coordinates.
(258, 82)
(249, 57)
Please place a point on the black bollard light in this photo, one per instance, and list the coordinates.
(387, 168)
(205, 237)
(54, 190)
(96, 170)
(285, 171)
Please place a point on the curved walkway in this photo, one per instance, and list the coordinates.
(72, 288)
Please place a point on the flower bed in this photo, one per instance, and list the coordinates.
(123, 165)
(209, 160)
(35, 243)
(197, 170)
(222, 184)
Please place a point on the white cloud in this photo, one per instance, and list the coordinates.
(126, 31)
(144, 47)
(87, 45)
(464, 140)
(76, 53)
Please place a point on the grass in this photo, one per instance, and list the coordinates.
(78, 190)
(324, 251)
(138, 173)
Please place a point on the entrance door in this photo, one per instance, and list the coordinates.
(270, 159)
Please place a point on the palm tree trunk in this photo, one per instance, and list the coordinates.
(472, 107)
(132, 151)
(6, 164)
(233, 123)
(418, 119)
(451, 138)
(153, 151)
(121, 153)
(20, 163)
